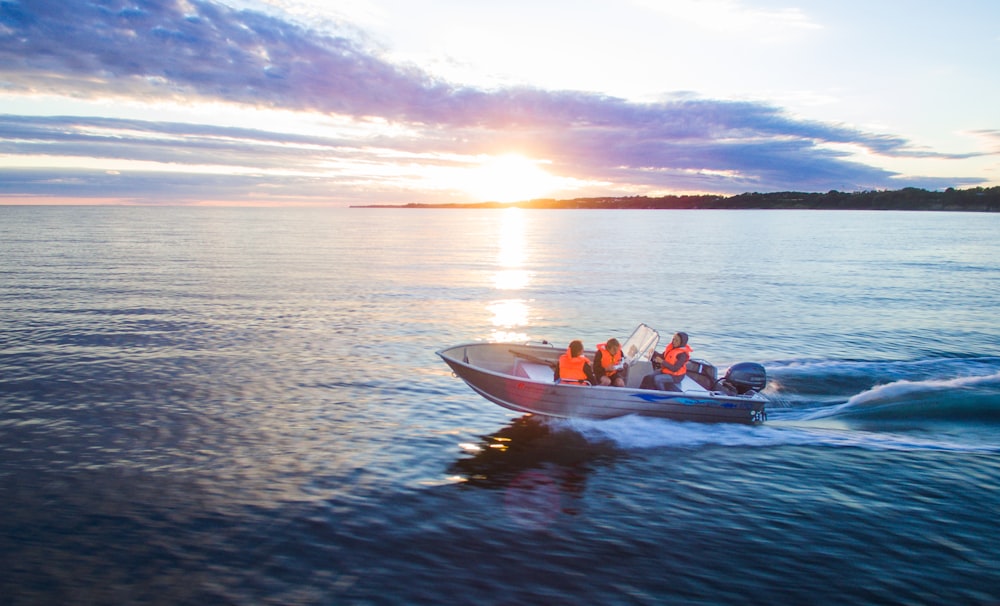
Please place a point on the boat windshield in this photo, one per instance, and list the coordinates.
(640, 345)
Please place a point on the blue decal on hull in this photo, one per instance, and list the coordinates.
(649, 397)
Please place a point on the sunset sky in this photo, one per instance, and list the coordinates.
(317, 102)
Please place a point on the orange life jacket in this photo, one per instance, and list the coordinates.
(571, 369)
(670, 355)
(608, 360)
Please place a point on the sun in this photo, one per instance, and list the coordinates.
(509, 178)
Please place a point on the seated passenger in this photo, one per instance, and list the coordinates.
(574, 367)
(673, 365)
(609, 365)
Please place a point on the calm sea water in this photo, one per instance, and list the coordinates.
(243, 406)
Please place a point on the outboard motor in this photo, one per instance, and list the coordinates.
(746, 376)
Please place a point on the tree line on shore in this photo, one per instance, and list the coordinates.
(977, 199)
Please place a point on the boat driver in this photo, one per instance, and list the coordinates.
(673, 363)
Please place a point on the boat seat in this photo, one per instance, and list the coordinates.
(533, 371)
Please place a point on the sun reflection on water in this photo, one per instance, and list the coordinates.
(508, 316)
(511, 279)
(512, 249)
(511, 314)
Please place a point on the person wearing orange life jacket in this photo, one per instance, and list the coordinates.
(574, 367)
(673, 363)
(608, 364)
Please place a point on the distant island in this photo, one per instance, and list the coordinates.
(976, 199)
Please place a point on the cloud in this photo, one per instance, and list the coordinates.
(990, 135)
(161, 142)
(182, 162)
(192, 49)
(152, 187)
(166, 48)
(732, 17)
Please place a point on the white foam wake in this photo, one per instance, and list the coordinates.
(634, 432)
(904, 392)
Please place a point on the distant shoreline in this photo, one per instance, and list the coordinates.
(977, 199)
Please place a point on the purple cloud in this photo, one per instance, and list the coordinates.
(164, 48)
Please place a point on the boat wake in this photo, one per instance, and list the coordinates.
(946, 404)
(635, 432)
(960, 390)
(965, 399)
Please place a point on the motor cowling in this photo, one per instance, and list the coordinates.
(746, 376)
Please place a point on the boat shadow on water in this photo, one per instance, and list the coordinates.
(539, 466)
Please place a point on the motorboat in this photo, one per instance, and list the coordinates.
(521, 377)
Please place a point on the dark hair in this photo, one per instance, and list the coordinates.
(576, 348)
(613, 342)
(684, 338)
